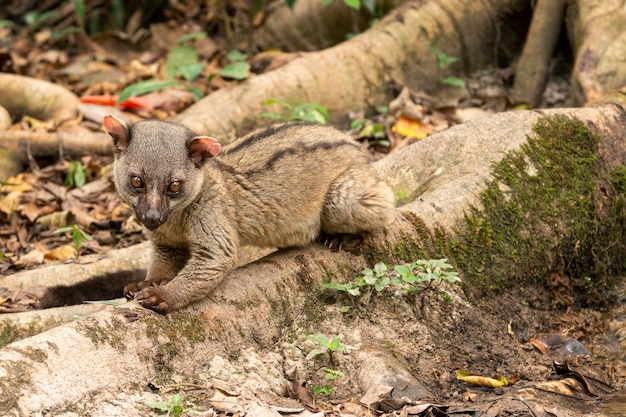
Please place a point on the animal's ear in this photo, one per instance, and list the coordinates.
(202, 148)
(118, 130)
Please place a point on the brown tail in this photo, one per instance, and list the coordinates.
(100, 287)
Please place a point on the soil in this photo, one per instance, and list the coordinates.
(411, 343)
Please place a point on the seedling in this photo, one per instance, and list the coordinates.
(175, 407)
(443, 62)
(183, 61)
(238, 68)
(331, 375)
(308, 112)
(327, 346)
(423, 273)
(75, 175)
(77, 235)
(411, 279)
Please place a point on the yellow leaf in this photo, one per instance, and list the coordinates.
(481, 381)
(9, 203)
(410, 128)
(62, 253)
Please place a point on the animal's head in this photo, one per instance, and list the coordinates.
(158, 166)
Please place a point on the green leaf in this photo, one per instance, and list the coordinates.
(380, 285)
(196, 92)
(454, 82)
(34, 19)
(326, 2)
(370, 5)
(63, 230)
(180, 56)
(77, 238)
(380, 268)
(7, 23)
(343, 309)
(275, 116)
(311, 112)
(446, 297)
(357, 123)
(290, 3)
(79, 175)
(79, 6)
(236, 56)
(236, 71)
(319, 338)
(332, 374)
(190, 72)
(144, 87)
(315, 353)
(191, 36)
(355, 4)
(335, 343)
(402, 270)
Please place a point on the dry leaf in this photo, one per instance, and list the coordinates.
(32, 211)
(34, 257)
(480, 380)
(9, 203)
(61, 253)
(375, 395)
(411, 128)
(56, 219)
(553, 342)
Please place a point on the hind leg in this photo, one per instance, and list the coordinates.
(357, 202)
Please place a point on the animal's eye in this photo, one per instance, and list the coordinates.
(136, 182)
(175, 187)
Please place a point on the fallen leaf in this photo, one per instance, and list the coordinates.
(375, 395)
(411, 128)
(61, 253)
(32, 258)
(480, 380)
(9, 202)
(548, 343)
(32, 211)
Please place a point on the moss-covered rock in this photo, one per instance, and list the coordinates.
(550, 216)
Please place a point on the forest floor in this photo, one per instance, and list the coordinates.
(53, 194)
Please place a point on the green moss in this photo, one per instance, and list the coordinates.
(11, 384)
(540, 215)
(113, 333)
(10, 332)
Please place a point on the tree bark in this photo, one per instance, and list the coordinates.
(99, 359)
(597, 33)
(533, 68)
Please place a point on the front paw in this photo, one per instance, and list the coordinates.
(131, 290)
(154, 298)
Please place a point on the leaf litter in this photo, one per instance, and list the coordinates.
(35, 203)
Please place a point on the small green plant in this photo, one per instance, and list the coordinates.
(327, 346)
(367, 129)
(370, 278)
(34, 19)
(308, 112)
(77, 235)
(75, 175)
(175, 406)
(443, 62)
(183, 61)
(331, 375)
(410, 279)
(238, 68)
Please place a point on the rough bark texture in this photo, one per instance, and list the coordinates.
(597, 33)
(534, 64)
(362, 73)
(94, 363)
